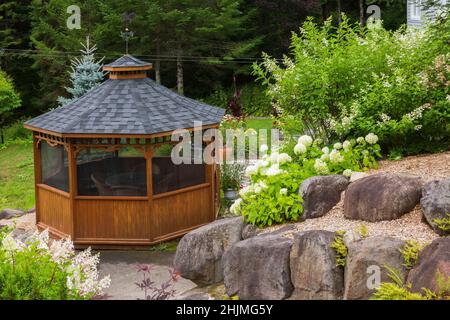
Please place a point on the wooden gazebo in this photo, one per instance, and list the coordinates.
(103, 171)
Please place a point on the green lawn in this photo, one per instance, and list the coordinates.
(17, 177)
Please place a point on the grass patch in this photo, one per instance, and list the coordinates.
(169, 246)
(17, 177)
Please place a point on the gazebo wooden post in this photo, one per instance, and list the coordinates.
(148, 157)
(72, 185)
(37, 172)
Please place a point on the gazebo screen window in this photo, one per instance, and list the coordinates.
(111, 173)
(54, 166)
(167, 176)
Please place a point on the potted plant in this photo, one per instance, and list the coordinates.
(231, 179)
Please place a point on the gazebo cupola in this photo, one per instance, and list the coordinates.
(103, 168)
(128, 67)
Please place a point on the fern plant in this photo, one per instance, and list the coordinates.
(410, 252)
(340, 248)
(444, 223)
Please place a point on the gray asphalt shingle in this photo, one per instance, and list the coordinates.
(132, 106)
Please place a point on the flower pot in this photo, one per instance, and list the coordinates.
(230, 194)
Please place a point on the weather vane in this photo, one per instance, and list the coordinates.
(127, 35)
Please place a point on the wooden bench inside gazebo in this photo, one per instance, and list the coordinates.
(103, 171)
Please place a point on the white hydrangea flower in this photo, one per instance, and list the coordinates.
(346, 145)
(337, 146)
(245, 191)
(283, 191)
(326, 150)
(347, 173)
(335, 156)
(360, 140)
(325, 157)
(11, 244)
(264, 148)
(283, 158)
(372, 138)
(305, 140)
(274, 170)
(251, 170)
(299, 148)
(273, 158)
(236, 206)
(321, 167)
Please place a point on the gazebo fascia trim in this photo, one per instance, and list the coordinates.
(137, 68)
(111, 135)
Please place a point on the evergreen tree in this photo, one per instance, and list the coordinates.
(86, 73)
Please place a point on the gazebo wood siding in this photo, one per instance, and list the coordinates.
(65, 203)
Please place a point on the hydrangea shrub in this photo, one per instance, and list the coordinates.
(273, 196)
(40, 270)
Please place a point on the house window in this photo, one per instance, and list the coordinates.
(415, 9)
(103, 172)
(54, 166)
(168, 176)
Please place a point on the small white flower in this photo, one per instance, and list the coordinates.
(321, 167)
(371, 138)
(347, 173)
(325, 157)
(346, 145)
(263, 148)
(273, 158)
(299, 148)
(283, 191)
(336, 157)
(274, 170)
(283, 158)
(337, 145)
(360, 140)
(245, 191)
(326, 150)
(251, 170)
(305, 140)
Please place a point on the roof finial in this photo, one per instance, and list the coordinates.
(127, 35)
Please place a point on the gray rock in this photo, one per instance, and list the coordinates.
(249, 231)
(199, 253)
(314, 273)
(366, 261)
(433, 259)
(383, 196)
(435, 202)
(10, 213)
(258, 268)
(320, 194)
(357, 175)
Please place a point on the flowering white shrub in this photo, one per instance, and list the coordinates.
(69, 275)
(272, 196)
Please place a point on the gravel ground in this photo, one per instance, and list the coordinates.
(409, 226)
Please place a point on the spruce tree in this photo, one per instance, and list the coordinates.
(86, 73)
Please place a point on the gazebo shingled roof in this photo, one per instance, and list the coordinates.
(127, 106)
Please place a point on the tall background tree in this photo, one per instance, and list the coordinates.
(9, 100)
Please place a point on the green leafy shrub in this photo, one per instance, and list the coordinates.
(410, 252)
(37, 271)
(340, 248)
(346, 81)
(444, 223)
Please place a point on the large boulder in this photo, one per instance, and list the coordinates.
(314, 273)
(383, 196)
(10, 213)
(435, 202)
(320, 194)
(258, 268)
(434, 259)
(366, 265)
(199, 253)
